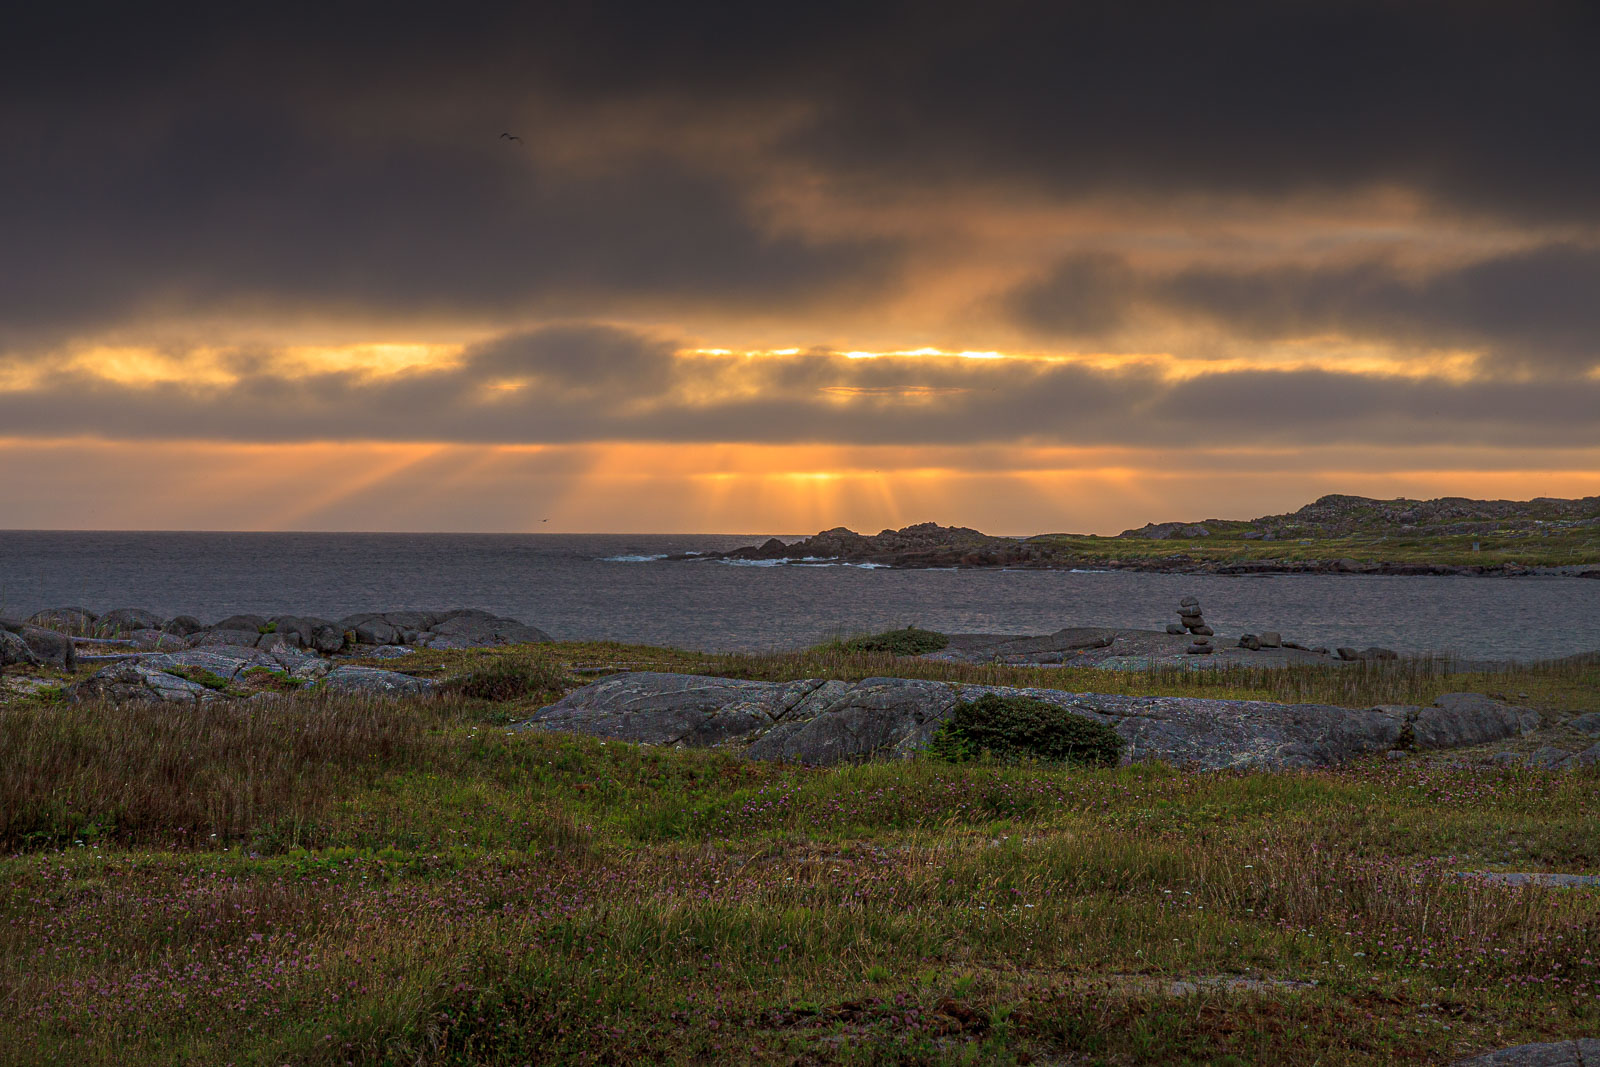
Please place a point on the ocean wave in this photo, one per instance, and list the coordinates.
(632, 559)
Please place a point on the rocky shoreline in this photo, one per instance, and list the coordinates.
(147, 658)
(61, 636)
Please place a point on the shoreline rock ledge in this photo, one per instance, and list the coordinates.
(818, 721)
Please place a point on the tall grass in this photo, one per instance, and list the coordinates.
(418, 885)
(165, 773)
(1363, 683)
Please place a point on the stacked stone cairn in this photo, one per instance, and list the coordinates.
(1191, 620)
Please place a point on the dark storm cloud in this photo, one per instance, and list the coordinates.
(345, 165)
(345, 159)
(642, 395)
(1535, 308)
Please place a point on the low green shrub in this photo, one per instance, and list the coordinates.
(908, 642)
(1016, 727)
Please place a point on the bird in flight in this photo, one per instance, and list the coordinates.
(510, 137)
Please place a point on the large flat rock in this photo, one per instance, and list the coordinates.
(817, 721)
(1584, 1052)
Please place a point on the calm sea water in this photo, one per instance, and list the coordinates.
(584, 586)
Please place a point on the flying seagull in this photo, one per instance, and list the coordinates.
(510, 137)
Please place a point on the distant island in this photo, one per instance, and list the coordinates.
(1336, 535)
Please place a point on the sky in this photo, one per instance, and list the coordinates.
(645, 267)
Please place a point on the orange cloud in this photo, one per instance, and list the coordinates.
(636, 487)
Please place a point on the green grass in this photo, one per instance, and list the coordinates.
(1570, 685)
(1548, 547)
(342, 881)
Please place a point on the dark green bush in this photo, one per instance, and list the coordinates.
(908, 642)
(511, 679)
(1017, 727)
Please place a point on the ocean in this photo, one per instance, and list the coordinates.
(614, 586)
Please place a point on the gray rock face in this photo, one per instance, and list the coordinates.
(14, 649)
(667, 709)
(123, 620)
(1587, 724)
(243, 638)
(376, 632)
(156, 640)
(891, 717)
(371, 681)
(1458, 719)
(1372, 653)
(50, 646)
(240, 622)
(476, 629)
(183, 625)
(412, 620)
(1585, 1052)
(1543, 879)
(138, 682)
(821, 722)
(299, 662)
(1548, 757)
(225, 661)
(1589, 757)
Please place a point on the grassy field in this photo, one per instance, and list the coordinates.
(1554, 547)
(338, 881)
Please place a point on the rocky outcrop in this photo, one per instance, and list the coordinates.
(133, 682)
(369, 681)
(1373, 653)
(50, 646)
(156, 640)
(1164, 531)
(125, 620)
(1457, 720)
(14, 650)
(1587, 724)
(925, 544)
(64, 620)
(470, 628)
(1552, 758)
(1584, 1052)
(152, 679)
(817, 721)
(455, 628)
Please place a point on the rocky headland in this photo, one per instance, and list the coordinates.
(1334, 535)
